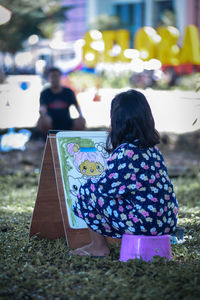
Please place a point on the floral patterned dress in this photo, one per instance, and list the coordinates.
(135, 195)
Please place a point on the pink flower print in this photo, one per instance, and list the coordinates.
(130, 215)
(165, 208)
(130, 207)
(151, 180)
(144, 166)
(79, 196)
(121, 208)
(80, 215)
(154, 199)
(130, 153)
(167, 197)
(157, 164)
(145, 213)
(153, 231)
(133, 177)
(111, 158)
(167, 230)
(159, 213)
(107, 226)
(157, 175)
(138, 185)
(122, 187)
(111, 175)
(175, 210)
(92, 187)
(100, 202)
(91, 215)
(135, 220)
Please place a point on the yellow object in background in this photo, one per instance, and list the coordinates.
(123, 40)
(190, 50)
(90, 55)
(146, 40)
(109, 41)
(115, 43)
(168, 51)
(109, 46)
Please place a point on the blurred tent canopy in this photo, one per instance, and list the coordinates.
(29, 17)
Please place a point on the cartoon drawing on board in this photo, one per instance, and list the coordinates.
(80, 159)
(87, 160)
(74, 185)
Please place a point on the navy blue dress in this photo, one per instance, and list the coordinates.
(134, 195)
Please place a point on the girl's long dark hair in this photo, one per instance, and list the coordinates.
(131, 119)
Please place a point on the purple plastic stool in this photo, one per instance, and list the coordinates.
(144, 247)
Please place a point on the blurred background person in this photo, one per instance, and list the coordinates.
(55, 102)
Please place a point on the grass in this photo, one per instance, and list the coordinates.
(40, 269)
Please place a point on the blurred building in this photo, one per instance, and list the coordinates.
(132, 13)
(75, 26)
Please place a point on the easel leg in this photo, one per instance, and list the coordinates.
(47, 221)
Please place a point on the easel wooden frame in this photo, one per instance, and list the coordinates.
(50, 219)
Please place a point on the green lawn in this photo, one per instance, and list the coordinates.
(41, 269)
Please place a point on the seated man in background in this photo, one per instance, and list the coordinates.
(54, 106)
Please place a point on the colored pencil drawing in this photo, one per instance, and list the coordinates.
(80, 158)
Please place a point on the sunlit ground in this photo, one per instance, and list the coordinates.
(174, 111)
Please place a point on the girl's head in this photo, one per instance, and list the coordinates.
(131, 119)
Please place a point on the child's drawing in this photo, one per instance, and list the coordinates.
(87, 160)
(74, 185)
(82, 156)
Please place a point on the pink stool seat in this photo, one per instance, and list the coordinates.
(144, 247)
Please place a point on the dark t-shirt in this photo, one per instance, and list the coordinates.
(58, 107)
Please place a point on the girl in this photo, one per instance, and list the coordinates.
(135, 195)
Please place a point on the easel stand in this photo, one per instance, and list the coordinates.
(50, 218)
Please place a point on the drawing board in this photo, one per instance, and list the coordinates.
(69, 159)
(81, 156)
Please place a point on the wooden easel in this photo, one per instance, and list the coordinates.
(50, 219)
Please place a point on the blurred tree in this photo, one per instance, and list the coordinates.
(105, 22)
(168, 18)
(29, 17)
